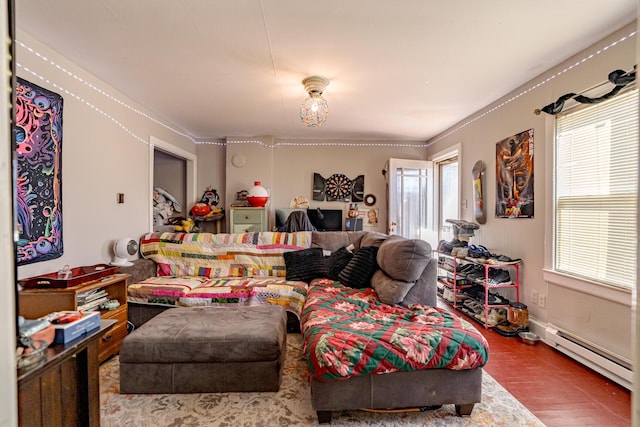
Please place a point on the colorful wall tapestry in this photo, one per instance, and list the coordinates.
(38, 134)
(514, 176)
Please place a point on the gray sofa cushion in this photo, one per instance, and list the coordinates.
(404, 259)
(390, 291)
(334, 240)
(373, 238)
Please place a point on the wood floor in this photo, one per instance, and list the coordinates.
(558, 390)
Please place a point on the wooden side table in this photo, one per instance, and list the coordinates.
(35, 303)
(64, 389)
(201, 221)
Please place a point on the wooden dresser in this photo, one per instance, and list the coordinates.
(35, 303)
(64, 389)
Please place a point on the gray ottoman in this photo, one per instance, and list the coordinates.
(206, 349)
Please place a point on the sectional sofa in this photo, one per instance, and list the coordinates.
(365, 303)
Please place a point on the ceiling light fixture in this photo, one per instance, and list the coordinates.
(314, 109)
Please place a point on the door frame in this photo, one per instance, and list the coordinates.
(191, 173)
(439, 157)
(392, 165)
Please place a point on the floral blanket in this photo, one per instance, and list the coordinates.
(348, 332)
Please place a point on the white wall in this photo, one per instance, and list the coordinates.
(604, 322)
(287, 170)
(105, 151)
(8, 385)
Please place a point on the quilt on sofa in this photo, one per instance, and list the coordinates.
(349, 332)
(204, 269)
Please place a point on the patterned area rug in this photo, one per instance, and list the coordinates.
(291, 406)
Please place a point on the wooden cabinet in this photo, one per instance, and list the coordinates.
(35, 303)
(64, 389)
(243, 220)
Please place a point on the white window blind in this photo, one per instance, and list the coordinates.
(595, 194)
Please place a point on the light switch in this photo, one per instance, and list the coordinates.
(120, 198)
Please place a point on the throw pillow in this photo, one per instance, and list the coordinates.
(336, 262)
(305, 265)
(390, 291)
(357, 274)
(404, 259)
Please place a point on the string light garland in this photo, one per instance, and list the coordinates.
(105, 94)
(536, 86)
(283, 144)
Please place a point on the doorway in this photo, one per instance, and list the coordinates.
(174, 170)
(410, 198)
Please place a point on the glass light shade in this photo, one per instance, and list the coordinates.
(314, 110)
(257, 196)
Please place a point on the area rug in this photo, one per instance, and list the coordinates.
(291, 406)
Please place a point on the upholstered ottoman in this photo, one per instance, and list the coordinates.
(206, 349)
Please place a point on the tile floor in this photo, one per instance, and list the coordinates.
(558, 390)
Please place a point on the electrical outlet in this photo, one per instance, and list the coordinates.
(542, 300)
(534, 297)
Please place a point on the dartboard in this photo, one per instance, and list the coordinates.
(338, 186)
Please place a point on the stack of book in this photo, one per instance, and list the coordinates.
(91, 300)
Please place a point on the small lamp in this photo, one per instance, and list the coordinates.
(314, 109)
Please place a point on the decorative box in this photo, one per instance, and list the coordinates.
(66, 332)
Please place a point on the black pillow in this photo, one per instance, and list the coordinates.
(336, 262)
(358, 273)
(305, 265)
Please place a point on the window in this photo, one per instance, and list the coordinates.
(595, 191)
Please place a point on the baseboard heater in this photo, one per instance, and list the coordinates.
(608, 364)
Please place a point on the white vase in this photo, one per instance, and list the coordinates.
(257, 196)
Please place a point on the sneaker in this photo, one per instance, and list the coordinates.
(462, 252)
(447, 294)
(499, 276)
(502, 259)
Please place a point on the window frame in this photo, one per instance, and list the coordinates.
(616, 293)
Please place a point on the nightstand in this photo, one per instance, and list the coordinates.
(245, 219)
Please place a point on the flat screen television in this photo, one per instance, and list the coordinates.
(326, 219)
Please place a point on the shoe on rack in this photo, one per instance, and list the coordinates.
(495, 299)
(476, 253)
(473, 306)
(462, 252)
(444, 247)
(502, 259)
(447, 294)
(499, 276)
(461, 223)
(484, 251)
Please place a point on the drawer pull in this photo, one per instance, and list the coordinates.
(107, 338)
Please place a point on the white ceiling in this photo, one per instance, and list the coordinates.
(399, 69)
